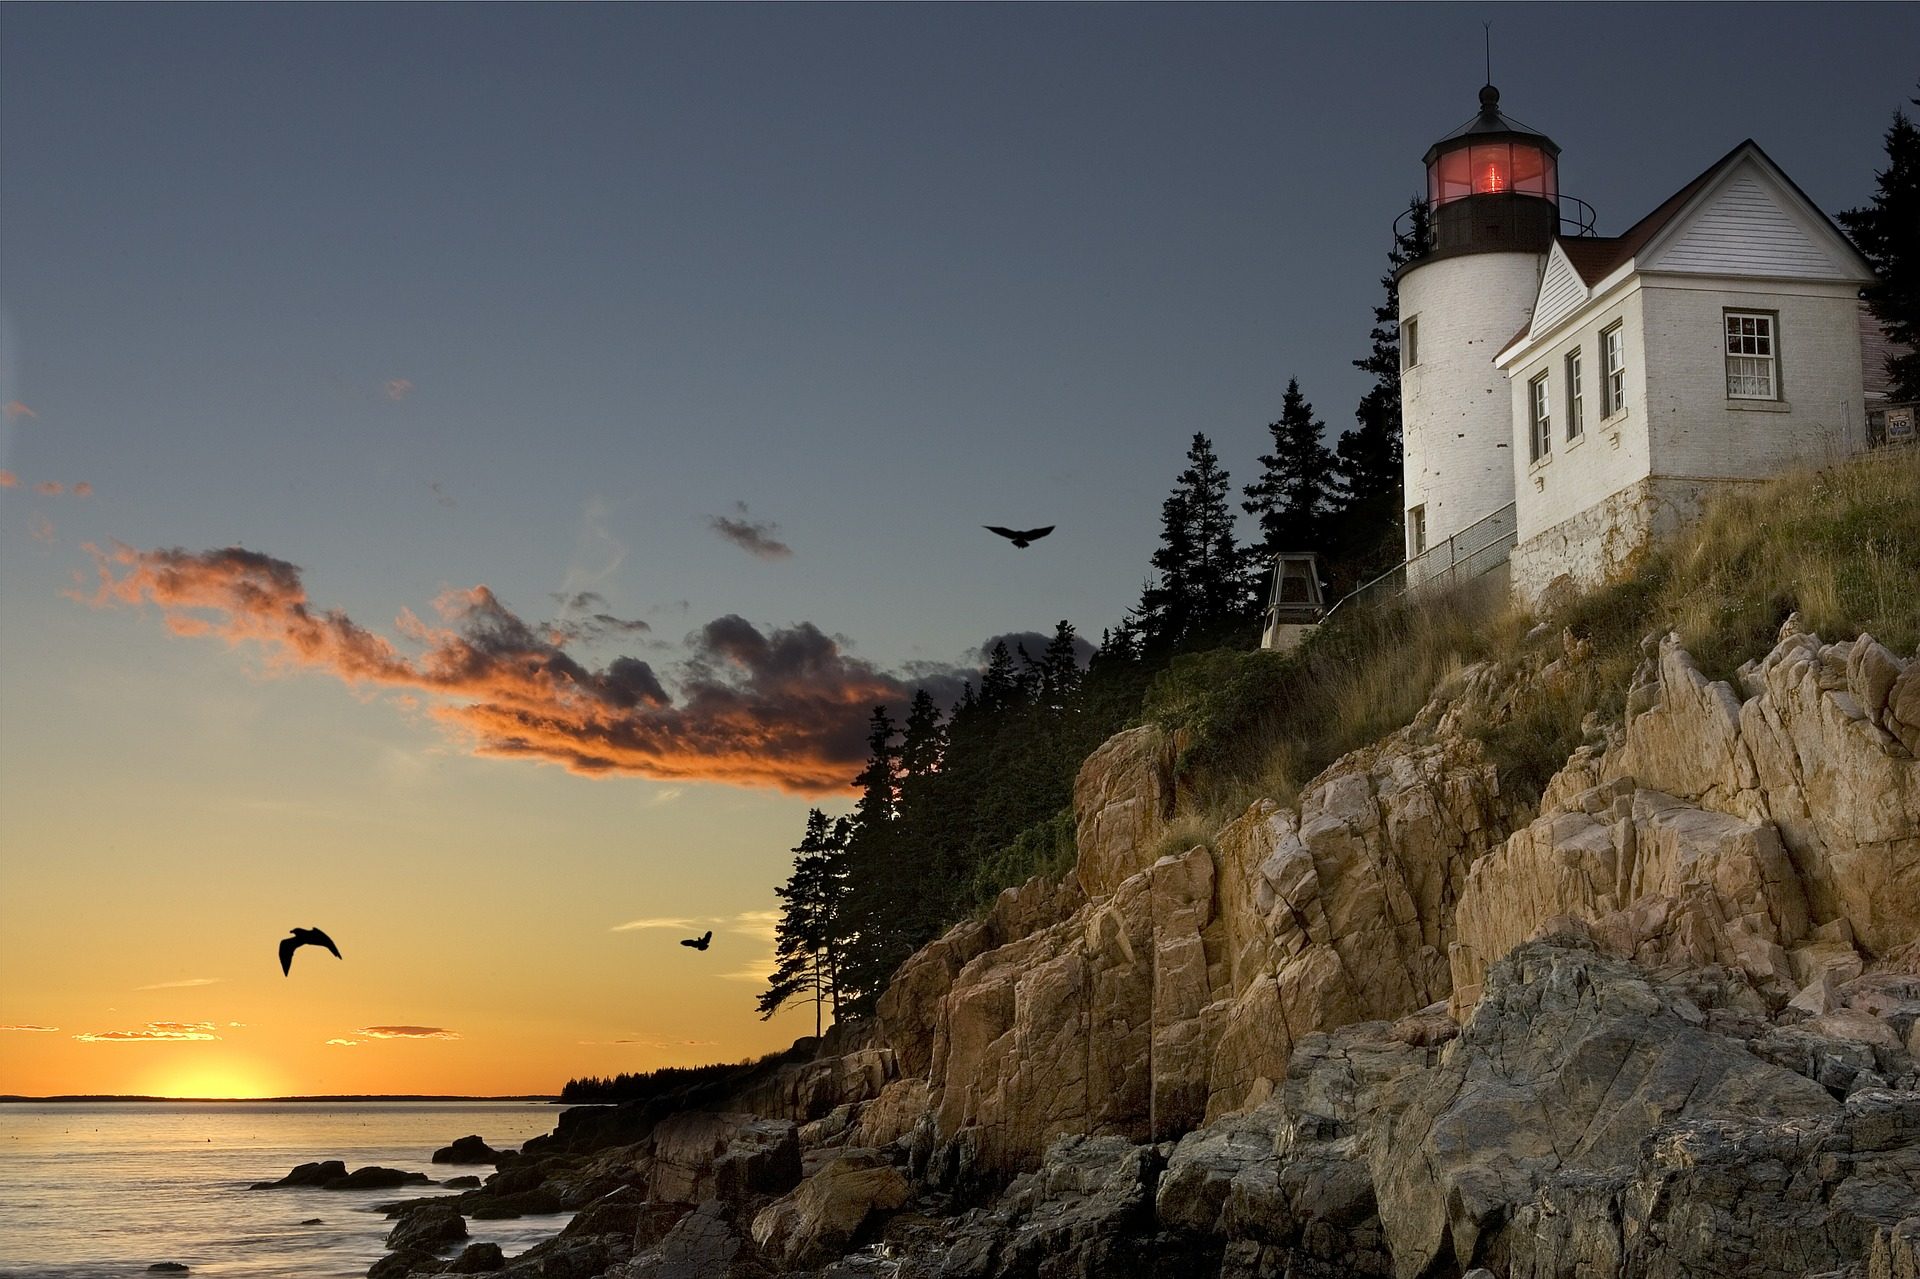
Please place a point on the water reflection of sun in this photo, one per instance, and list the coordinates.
(224, 1079)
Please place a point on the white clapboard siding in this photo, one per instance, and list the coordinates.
(1744, 230)
(1561, 290)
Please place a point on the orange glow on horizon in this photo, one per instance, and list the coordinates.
(221, 1081)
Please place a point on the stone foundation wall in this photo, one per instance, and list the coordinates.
(1596, 544)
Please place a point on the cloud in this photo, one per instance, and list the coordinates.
(661, 922)
(1036, 646)
(39, 1030)
(8, 480)
(183, 983)
(153, 1031)
(14, 409)
(83, 489)
(756, 537)
(40, 529)
(49, 488)
(406, 1032)
(784, 708)
(398, 388)
(755, 923)
(343, 1043)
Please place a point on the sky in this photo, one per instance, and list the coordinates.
(466, 472)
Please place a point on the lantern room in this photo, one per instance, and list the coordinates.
(1493, 185)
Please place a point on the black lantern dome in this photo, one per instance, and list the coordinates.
(1493, 185)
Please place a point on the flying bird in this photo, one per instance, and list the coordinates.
(1019, 537)
(303, 937)
(699, 943)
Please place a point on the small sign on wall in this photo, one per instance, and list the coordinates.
(1900, 424)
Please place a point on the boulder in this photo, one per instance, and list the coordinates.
(467, 1150)
(477, 1259)
(615, 1213)
(428, 1228)
(704, 1244)
(824, 1217)
(461, 1183)
(314, 1174)
(399, 1265)
(376, 1178)
(1122, 801)
(700, 1154)
(167, 1268)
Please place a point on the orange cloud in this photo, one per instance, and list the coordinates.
(153, 1031)
(14, 409)
(406, 1032)
(40, 529)
(398, 388)
(785, 708)
(49, 488)
(9, 480)
(83, 489)
(43, 1030)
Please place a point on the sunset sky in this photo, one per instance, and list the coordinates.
(466, 472)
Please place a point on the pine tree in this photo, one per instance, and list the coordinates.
(922, 740)
(878, 881)
(1294, 495)
(1887, 232)
(809, 938)
(1060, 668)
(1202, 584)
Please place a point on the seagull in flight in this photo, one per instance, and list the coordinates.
(699, 943)
(303, 937)
(1019, 537)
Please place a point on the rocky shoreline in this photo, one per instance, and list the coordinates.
(1665, 1024)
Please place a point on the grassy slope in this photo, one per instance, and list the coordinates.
(1841, 546)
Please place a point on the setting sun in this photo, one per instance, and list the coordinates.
(216, 1081)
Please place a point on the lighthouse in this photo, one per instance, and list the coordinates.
(1493, 209)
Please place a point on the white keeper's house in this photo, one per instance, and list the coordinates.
(1573, 396)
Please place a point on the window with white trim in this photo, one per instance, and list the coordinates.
(1576, 397)
(1540, 438)
(1613, 371)
(1752, 356)
(1416, 530)
(1410, 342)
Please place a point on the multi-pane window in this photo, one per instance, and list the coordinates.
(1576, 398)
(1613, 371)
(1752, 357)
(1540, 439)
(1416, 531)
(1410, 342)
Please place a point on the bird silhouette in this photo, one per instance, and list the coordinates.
(303, 937)
(1019, 537)
(699, 943)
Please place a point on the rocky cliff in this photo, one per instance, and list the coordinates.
(1664, 1025)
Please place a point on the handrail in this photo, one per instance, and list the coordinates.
(1456, 557)
(1576, 222)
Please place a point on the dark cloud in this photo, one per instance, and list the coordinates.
(756, 537)
(784, 707)
(1036, 645)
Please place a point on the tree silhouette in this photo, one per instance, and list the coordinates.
(809, 938)
(1294, 495)
(1887, 232)
(1201, 584)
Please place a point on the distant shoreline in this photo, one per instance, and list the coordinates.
(396, 1096)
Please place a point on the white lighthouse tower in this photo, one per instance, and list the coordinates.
(1494, 208)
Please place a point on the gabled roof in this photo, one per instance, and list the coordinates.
(1597, 257)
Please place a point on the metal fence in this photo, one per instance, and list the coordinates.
(1478, 548)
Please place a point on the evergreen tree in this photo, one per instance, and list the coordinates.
(1060, 668)
(922, 741)
(877, 878)
(1000, 682)
(1294, 495)
(809, 938)
(877, 781)
(1202, 585)
(1887, 232)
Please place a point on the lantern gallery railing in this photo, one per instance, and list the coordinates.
(1576, 218)
(1480, 547)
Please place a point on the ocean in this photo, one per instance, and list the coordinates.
(92, 1190)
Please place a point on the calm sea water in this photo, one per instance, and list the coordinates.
(91, 1190)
